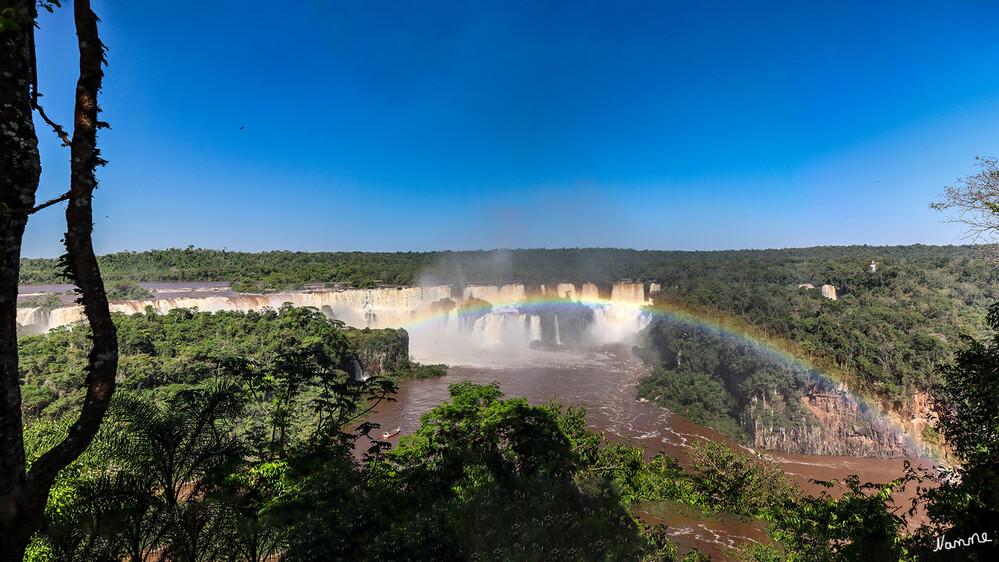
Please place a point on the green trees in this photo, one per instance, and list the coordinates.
(153, 480)
(861, 524)
(484, 477)
(207, 450)
(125, 290)
(965, 500)
(490, 477)
(716, 379)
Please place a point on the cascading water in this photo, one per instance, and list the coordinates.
(359, 373)
(567, 291)
(534, 328)
(513, 322)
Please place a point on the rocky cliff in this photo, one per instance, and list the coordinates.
(832, 423)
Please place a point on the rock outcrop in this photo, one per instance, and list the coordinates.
(833, 423)
(829, 292)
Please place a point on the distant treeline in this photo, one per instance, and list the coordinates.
(888, 330)
(603, 266)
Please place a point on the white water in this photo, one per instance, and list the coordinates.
(433, 337)
(359, 373)
(567, 291)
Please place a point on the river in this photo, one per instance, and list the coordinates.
(604, 380)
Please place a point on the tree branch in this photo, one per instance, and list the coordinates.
(59, 131)
(37, 208)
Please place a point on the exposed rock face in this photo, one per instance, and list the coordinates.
(834, 424)
(829, 292)
(923, 411)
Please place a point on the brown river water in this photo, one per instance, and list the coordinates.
(604, 380)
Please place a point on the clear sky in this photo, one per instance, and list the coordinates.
(392, 126)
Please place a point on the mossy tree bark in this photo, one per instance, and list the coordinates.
(23, 492)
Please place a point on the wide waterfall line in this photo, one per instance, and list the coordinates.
(509, 317)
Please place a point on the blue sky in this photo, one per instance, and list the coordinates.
(395, 126)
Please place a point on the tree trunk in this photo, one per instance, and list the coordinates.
(23, 495)
(20, 169)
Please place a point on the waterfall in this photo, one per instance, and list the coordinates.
(589, 292)
(628, 292)
(566, 291)
(495, 295)
(508, 325)
(359, 373)
(535, 328)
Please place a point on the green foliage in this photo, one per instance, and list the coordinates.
(162, 354)
(199, 472)
(738, 483)
(887, 333)
(971, 395)
(860, 525)
(48, 302)
(511, 483)
(717, 380)
(147, 481)
(421, 371)
(967, 497)
(126, 290)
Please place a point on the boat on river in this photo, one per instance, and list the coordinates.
(392, 433)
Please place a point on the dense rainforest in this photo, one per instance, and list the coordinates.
(239, 436)
(165, 354)
(886, 335)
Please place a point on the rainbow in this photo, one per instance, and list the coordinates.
(721, 326)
